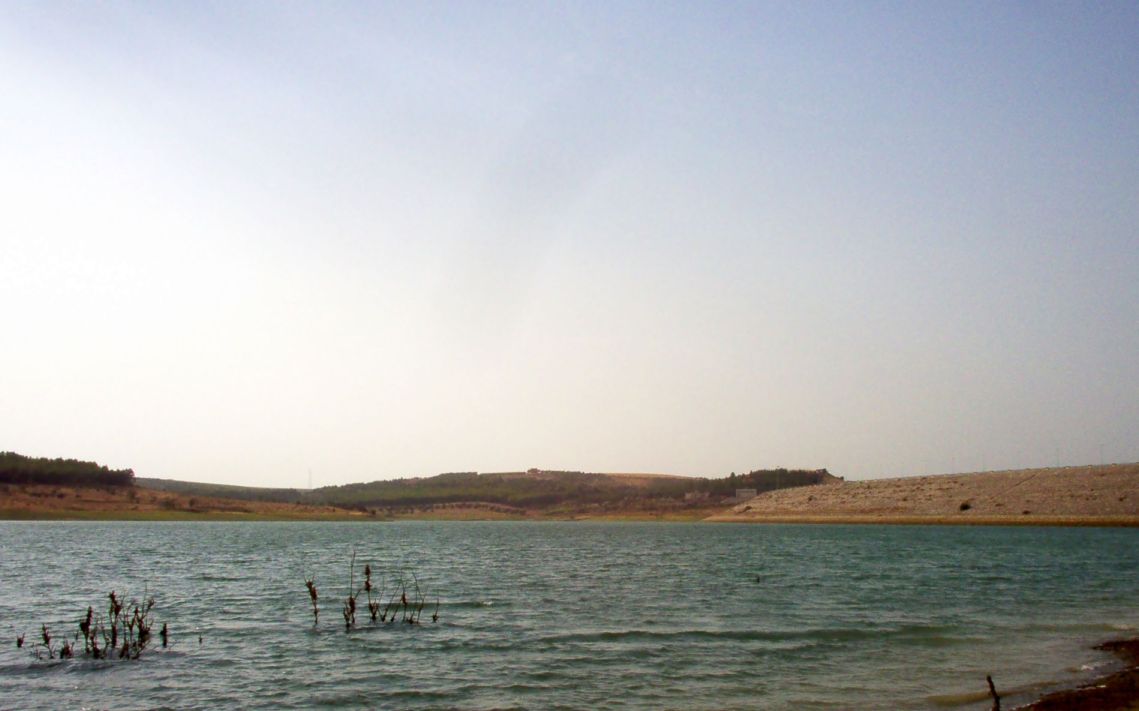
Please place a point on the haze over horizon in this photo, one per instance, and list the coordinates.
(240, 242)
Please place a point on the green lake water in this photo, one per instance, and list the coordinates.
(573, 615)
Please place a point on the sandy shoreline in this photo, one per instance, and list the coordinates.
(1118, 691)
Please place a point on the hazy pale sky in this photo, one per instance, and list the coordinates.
(242, 241)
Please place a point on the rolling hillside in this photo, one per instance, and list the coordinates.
(1106, 493)
(531, 490)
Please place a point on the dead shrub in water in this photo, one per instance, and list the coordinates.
(408, 610)
(123, 633)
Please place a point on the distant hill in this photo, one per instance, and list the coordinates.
(529, 490)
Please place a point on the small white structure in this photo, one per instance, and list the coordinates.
(745, 494)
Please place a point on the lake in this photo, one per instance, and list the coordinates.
(572, 614)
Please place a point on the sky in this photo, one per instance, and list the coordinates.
(264, 243)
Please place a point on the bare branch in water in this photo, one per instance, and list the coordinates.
(410, 609)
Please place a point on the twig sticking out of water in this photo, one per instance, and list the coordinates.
(312, 596)
(85, 631)
(113, 612)
(349, 610)
(373, 606)
(419, 600)
(993, 693)
(45, 635)
(388, 608)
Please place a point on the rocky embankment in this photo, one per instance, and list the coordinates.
(1088, 495)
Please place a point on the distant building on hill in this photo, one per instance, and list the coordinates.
(745, 494)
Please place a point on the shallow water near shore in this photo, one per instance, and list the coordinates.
(574, 614)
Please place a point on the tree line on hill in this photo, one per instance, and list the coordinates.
(18, 469)
(769, 479)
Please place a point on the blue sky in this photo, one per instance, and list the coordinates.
(243, 241)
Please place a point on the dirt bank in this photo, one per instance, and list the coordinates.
(1089, 495)
(34, 501)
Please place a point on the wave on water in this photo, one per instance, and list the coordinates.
(954, 700)
(1066, 628)
(466, 604)
(934, 635)
(1096, 666)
